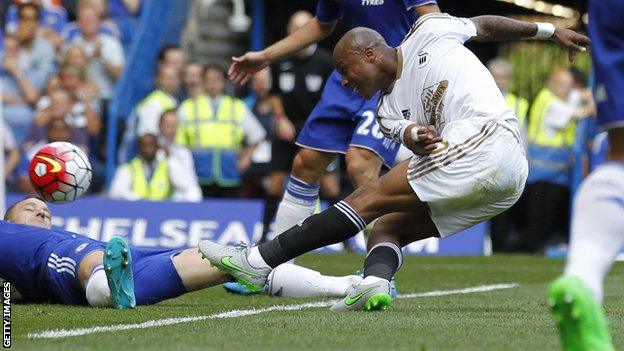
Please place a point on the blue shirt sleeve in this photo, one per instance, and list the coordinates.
(328, 11)
(414, 3)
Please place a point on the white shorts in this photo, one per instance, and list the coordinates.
(479, 172)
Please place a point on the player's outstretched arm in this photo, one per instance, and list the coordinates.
(498, 28)
(243, 67)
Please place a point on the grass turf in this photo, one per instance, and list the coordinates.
(510, 319)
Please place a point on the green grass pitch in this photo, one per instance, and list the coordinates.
(506, 319)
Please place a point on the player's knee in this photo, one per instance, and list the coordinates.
(97, 292)
(362, 165)
(307, 167)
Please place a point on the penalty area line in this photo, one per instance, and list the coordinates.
(64, 333)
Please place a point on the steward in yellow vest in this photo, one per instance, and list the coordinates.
(552, 132)
(157, 187)
(214, 133)
(150, 109)
(520, 106)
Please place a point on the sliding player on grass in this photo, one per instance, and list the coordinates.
(58, 266)
(597, 231)
(440, 102)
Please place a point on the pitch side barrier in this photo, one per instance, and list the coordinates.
(180, 225)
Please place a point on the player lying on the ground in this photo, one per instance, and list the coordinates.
(597, 228)
(58, 266)
(441, 103)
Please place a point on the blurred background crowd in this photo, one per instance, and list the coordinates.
(141, 86)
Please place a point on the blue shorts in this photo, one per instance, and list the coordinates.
(343, 118)
(155, 276)
(607, 51)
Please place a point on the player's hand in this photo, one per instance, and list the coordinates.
(570, 40)
(285, 130)
(244, 67)
(423, 141)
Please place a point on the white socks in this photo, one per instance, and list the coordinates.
(97, 292)
(298, 203)
(597, 234)
(289, 280)
(255, 259)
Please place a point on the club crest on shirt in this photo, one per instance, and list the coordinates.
(432, 97)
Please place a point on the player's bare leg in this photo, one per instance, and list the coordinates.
(196, 273)
(363, 165)
(390, 193)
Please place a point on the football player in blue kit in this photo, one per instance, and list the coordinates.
(57, 266)
(597, 229)
(343, 122)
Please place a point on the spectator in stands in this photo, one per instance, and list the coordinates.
(149, 176)
(506, 229)
(28, 61)
(106, 56)
(106, 27)
(150, 109)
(85, 112)
(172, 56)
(56, 130)
(503, 73)
(551, 135)
(259, 103)
(11, 154)
(52, 18)
(221, 133)
(192, 80)
(179, 157)
(59, 105)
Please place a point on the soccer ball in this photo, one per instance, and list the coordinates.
(60, 172)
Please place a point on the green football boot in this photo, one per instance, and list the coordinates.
(581, 321)
(369, 297)
(118, 268)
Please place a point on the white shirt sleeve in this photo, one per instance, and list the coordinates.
(558, 115)
(121, 187)
(148, 116)
(254, 132)
(185, 185)
(112, 51)
(449, 27)
(391, 124)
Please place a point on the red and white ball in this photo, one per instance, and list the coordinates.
(60, 172)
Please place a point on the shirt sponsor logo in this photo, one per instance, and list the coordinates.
(372, 2)
(286, 82)
(406, 113)
(313, 82)
(432, 97)
(423, 59)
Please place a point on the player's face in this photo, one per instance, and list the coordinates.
(32, 212)
(357, 74)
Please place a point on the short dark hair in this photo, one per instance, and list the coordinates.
(166, 112)
(23, 6)
(7, 214)
(215, 67)
(163, 52)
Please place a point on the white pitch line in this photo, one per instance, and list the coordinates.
(64, 333)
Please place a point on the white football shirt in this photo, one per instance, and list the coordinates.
(439, 80)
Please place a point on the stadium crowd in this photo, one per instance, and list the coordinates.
(62, 60)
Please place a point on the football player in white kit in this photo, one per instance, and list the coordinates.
(440, 102)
